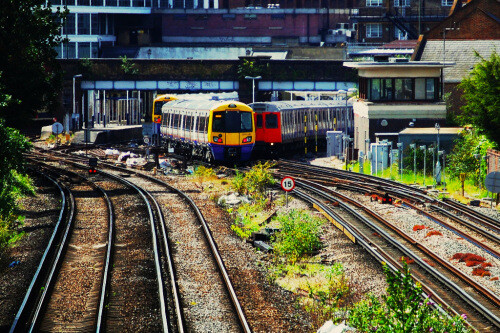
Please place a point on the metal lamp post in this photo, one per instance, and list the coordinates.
(253, 78)
(368, 155)
(444, 165)
(346, 143)
(400, 148)
(433, 166)
(478, 157)
(424, 148)
(414, 147)
(74, 99)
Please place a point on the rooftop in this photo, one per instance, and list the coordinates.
(402, 64)
(460, 52)
(431, 130)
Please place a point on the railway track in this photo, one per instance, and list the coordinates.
(486, 228)
(369, 229)
(185, 309)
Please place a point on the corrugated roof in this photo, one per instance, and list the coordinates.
(461, 52)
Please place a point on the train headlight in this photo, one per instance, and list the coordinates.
(217, 139)
(247, 139)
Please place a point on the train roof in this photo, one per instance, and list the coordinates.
(288, 105)
(202, 105)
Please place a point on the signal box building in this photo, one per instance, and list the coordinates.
(395, 95)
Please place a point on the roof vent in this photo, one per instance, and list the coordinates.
(399, 60)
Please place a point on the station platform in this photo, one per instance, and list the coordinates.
(112, 133)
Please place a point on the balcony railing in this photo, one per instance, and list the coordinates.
(410, 13)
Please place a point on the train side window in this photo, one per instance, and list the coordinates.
(271, 120)
(259, 121)
(176, 121)
(198, 124)
(187, 122)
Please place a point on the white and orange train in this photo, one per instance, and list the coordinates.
(213, 130)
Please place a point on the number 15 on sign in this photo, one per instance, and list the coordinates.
(287, 184)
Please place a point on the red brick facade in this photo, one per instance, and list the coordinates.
(493, 160)
(474, 21)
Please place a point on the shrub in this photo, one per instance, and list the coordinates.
(245, 221)
(402, 310)
(202, 174)
(238, 183)
(299, 235)
(256, 181)
(14, 183)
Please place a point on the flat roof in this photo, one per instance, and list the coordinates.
(414, 64)
(431, 130)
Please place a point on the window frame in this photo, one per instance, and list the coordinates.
(370, 31)
(374, 3)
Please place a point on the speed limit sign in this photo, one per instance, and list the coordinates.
(287, 184)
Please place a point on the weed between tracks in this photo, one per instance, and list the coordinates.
(323, 289)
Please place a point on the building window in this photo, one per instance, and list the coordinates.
(94, 24)
(430, 88)
(84, 50)
(124, 3)
(94, 50)
(380, 90)
(70, 50)
(58, 49)
(403, 89)
(425, 88)
(374, 30)
(446, 2)
(401, 3)
(373, 3)
(112, 3)
(84, 24)
(69, 25)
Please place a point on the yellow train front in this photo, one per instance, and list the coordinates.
(221, 131)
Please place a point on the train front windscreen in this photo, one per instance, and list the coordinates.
(232, 121)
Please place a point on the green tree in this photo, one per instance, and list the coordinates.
(30, 73)
(251, 68)
(482, 95)
(13, 180)
(462, 159)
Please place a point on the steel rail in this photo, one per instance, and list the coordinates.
(211, 241)
(470, 239)
(155, 247)
(158, 270)
(492, 237)
(375, 251)
(208, 234)
(56, 263)
(473, 215)
(107, 263)
(430, 270)
(42, 266)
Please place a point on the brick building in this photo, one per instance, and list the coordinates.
(472, 27)
(112, 28)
